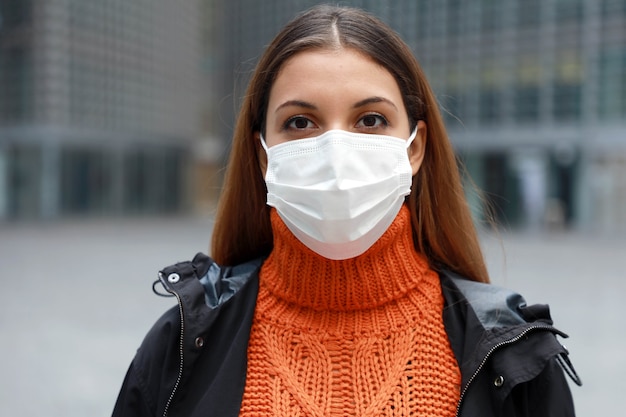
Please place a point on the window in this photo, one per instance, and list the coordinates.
(567, 96)
(529, 13)
(24, 181)
(492, 83)
(456, 17)
(612, 83)
(567, 101)
(527, 103)
(569, 10)
(86, 181)
(16, 85)
(527, 89)
(14, 13)
(489, 106)
(493, 16)
(612, 8)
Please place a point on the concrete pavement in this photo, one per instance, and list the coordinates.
(76, 301)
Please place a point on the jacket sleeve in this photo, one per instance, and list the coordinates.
(547, 395)
(132, 400)
(152, 374)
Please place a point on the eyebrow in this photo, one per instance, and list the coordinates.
(375, 99)
(307, 105)
(297, 103)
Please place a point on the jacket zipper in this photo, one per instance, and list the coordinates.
(181, 348)
(489, 353)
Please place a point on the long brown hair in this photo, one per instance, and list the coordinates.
(442, 223)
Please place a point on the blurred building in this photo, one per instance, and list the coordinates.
(100, 104)
(534, 93)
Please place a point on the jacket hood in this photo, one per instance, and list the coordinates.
(496, 306)
(482, 318)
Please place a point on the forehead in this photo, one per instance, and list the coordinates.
(333, 70)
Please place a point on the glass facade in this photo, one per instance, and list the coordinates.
(100, 104)
(16, 82)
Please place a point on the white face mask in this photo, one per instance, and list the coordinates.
(338, 192)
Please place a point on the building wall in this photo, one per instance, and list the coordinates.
(102, 102)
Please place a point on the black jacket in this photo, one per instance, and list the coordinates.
(193, 360)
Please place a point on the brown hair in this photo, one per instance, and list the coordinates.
(442, 223)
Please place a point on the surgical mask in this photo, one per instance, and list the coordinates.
(340, 191)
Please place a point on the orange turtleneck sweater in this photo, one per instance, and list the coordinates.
(357, 337)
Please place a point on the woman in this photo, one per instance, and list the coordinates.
(347, 277)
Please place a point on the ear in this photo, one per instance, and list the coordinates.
(418, 147)
(261, 155)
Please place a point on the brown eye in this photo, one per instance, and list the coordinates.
(369, 121)
(372, 121)
(299, 123)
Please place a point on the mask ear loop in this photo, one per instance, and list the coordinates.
(263, 144)
(267, 153)
(411, 138)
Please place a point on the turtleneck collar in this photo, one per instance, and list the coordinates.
(385, 272)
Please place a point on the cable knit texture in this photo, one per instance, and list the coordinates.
(358, 337)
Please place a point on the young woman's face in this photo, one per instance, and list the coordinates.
(320, 90)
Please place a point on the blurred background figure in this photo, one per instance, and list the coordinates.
(126, 107)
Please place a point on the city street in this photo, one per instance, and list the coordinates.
(76, 301)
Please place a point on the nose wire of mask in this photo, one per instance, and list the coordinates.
(409, 141)
(338, 216)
